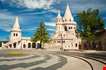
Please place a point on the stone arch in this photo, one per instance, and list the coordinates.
(10, 45)
(24, 45)
(65, 28)
(14, 45)
(33, 45)
(29, 45)
(76, 45)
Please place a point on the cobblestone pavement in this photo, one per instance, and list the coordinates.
(44, 60)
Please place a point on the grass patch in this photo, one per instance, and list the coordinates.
(15, 53)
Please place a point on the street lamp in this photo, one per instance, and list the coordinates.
(61, 42)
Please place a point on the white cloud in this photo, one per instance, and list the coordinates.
(5, 22)
(50, 24)
(51, 29)
(29, 29)
(34, 3)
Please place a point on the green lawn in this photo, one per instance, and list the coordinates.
(15, 53)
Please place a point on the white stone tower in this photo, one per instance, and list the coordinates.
(15, 32)
(59, 21)
(66, 34)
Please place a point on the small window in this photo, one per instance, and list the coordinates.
(63, 41)
(69, 27)
(65, 28)
(76, 44)
(14, 34)
(58, 41)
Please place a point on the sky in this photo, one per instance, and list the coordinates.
(32, 12)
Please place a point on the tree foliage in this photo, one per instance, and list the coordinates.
(41, 34)
(89, 23)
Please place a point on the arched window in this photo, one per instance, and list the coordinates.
(69, 28)
(16, 34)
(76, 44)
(65, 28)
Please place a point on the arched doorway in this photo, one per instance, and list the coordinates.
(10, 45)
(29, 45)
(14, 45)
(24, 45)
(33, 45)
(38, 45)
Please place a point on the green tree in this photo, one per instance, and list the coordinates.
(41, 34)
(89, 22)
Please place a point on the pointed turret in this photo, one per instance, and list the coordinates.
(68, 15)
(59, 14)
(59, 17)
(15, 32)
(59, 26)
(16, 26)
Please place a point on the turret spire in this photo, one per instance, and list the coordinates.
(16, 26)
(68, 15)
(59, 14)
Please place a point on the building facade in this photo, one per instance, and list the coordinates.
(66, 35)
(16, 41)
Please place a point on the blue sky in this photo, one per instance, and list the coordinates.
(31, 12)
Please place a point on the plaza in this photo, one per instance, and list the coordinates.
(52, 60)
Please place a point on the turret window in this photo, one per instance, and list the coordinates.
(70, 27)
(65, 28)
(76, 44)
(16, 34)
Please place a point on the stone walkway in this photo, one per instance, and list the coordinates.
(41, 60)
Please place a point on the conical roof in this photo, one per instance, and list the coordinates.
(16, 26)
(68, 15)
(59, 14)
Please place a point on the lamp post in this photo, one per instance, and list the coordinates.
(61, 42)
